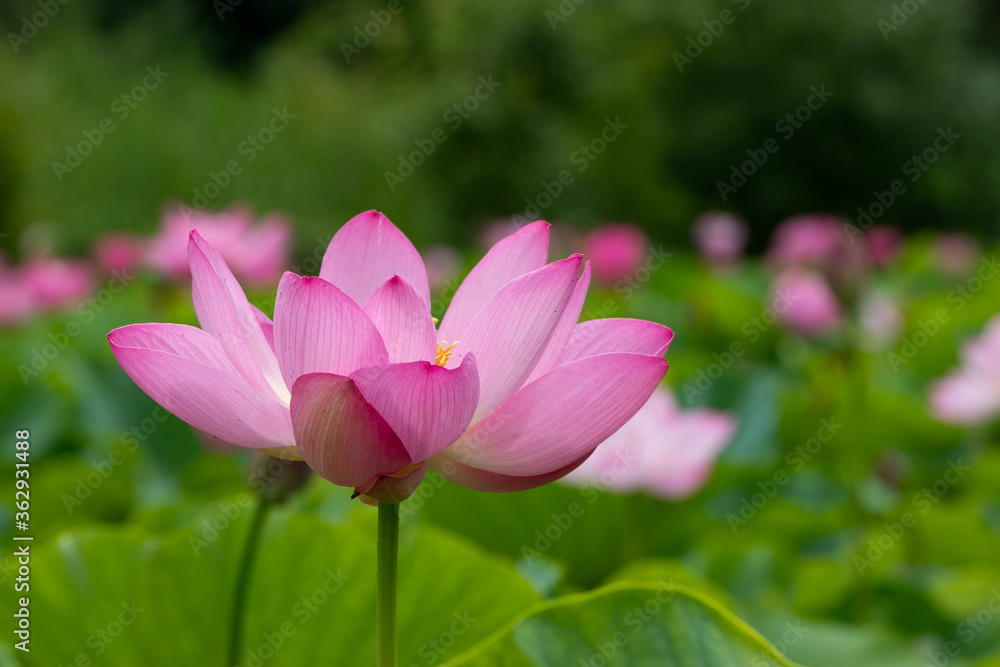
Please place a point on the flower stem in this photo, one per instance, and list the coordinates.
(243, 579)
(385, 606)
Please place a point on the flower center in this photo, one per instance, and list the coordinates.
(444, 353)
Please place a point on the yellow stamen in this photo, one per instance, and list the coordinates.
(444, 353)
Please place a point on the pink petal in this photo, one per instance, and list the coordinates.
(699, 436)
(224, 312)
(341, 436)
(366, 252)
(177, 339)
(404, 321)
(522, 252)
(427, 406)
(965, 398)
(617, 335)
(562, 416)
(664, 450)
(187, 372)
(266, 326)
(484, 480)
(511, 332)
(564, 330)
(319, 329)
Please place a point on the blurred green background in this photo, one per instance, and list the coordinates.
(564, 69)
(560, 75)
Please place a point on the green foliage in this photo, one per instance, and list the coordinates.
(627, 624)
(124, 597)
(356, 115)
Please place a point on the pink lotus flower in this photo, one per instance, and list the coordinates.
(970, 394)
(255, 253)
(805, 303)
(615, 250)
(842, 253)
(955, 254)
(353, 377)
(720, 237)
(119, 252)
(884, 243)
(809, 239)
(663, 450)
(55, 283)
(16, 305)
(41, 284)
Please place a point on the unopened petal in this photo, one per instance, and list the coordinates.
(319, 329)
(340, 435)
(404, 320)
(366, 252)
(428, 407)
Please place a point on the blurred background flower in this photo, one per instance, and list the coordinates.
(970, 393)
(255, 252)
(42, 284)
(615, 250)
(720, 237)
(663, 450)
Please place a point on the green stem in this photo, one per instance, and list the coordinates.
(385, 606)
(243, 580)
